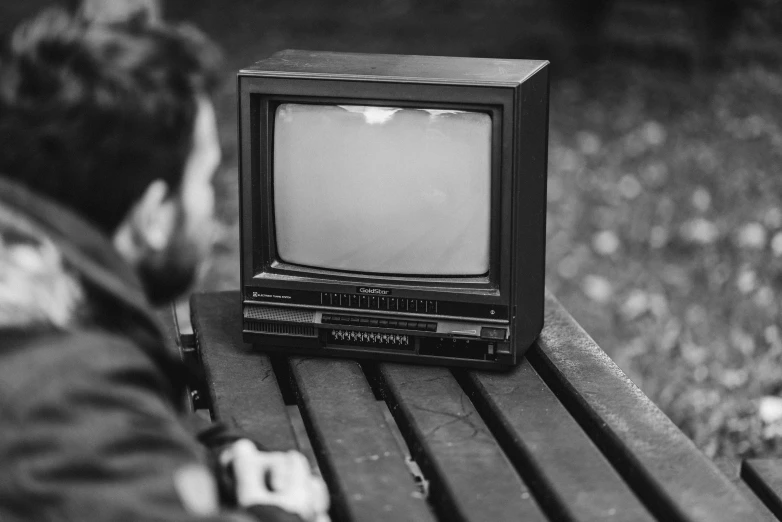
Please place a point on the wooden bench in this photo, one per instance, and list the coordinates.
(564, 436)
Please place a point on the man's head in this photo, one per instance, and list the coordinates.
(114, 121)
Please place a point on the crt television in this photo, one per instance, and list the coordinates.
(393, 207)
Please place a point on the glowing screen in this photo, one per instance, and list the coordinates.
(382, 190)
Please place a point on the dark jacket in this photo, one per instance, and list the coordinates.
(91, 420)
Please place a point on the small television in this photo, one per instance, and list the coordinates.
(393, 207)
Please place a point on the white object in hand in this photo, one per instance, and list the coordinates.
(281, 479)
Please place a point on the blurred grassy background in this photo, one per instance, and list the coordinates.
(665, 197)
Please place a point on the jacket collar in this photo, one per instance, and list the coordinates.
(83, 246)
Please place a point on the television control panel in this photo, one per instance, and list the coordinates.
(415, 334)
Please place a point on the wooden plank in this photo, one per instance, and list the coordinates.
(731, 469)
(764, 478)
(357, 453)
(241, 381)
(675, 480)
(470, 477)
(567, 473)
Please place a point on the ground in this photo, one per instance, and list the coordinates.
(664, 233)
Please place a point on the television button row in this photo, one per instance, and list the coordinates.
(374, 302)
(379, 323)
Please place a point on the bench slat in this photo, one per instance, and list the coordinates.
(567, 472)
(681, 484)
(764, 478)
(358, 455)
(470, 477)
(241, 382)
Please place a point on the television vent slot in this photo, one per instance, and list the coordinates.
(297, 330)
(270, 313)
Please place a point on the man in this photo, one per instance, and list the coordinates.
(108, 145)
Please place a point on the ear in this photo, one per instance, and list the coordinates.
(155, 215)
(149, 224)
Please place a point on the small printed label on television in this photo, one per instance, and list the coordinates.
(259, 295)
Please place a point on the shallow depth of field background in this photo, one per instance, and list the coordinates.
(665, 175)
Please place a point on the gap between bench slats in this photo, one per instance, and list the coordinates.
(675, 480)
(470, 477)
(357, 452)
(241, 381)
(566, 471)
(731, 469)
(764, 478)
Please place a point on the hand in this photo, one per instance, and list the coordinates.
(281, 479)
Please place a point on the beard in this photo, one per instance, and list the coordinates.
(167, 274)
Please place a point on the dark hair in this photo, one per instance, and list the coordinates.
(91, 114)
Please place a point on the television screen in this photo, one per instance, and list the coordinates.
(383, 190)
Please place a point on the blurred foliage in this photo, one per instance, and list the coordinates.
(665, 239)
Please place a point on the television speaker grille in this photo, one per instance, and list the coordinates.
(297, 330)
(268, 313)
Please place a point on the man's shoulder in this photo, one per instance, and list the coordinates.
(45, 363)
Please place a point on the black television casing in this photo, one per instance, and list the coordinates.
(480, 322)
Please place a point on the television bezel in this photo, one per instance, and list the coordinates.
(264, 95)
(487, 277)
(269, 260)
